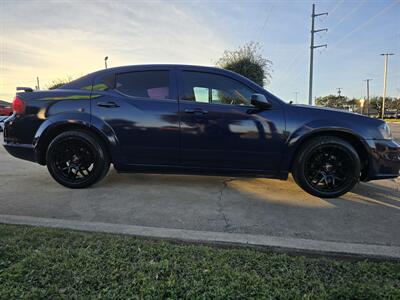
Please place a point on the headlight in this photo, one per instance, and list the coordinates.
(384, 129)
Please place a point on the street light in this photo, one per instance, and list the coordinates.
(105, 61)
(386, 55)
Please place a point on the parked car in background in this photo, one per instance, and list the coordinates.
(5, 110)
(194, 120)
(2, 119)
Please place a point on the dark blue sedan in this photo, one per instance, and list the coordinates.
(194, 120)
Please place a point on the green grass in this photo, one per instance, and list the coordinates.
(392, 120)
(50, 263)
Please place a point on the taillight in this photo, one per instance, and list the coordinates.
(18, 105)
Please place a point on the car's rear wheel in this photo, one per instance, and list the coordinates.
(327, 167)
(77, 159)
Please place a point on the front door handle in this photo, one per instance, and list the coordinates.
(197, 111)
(108, 104)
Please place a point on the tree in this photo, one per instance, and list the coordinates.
(392, 107)
(332, 101)
(248, 61)
(353, 103)
(376, 102)
(57, 83)
(396, 106)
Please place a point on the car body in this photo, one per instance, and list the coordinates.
(5, 111)
(195, 120)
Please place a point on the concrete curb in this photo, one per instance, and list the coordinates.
(236, 239)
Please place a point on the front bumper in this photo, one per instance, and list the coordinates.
(384, 159)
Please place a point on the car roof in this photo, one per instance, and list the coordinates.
(166, 66)
(122, 69)
(129, 68)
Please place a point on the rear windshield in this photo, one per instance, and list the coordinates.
(79, 83)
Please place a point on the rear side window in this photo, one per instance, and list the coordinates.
(214, 88)
(145, 84)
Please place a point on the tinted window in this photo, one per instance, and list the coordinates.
(213, 88)
(146, 84)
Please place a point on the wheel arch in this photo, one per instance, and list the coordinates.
(348, 136)
(47, 132)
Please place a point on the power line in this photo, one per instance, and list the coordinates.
(336, 7)
(298, 59)
(364, 24)
(347, 15)
(267, 17)
(312, 47)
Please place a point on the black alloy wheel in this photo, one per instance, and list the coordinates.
(327, 167)
(77, 159)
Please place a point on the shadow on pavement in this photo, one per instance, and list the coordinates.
(372, 193)
(272, 191)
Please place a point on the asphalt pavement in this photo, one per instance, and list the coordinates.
(395, 128)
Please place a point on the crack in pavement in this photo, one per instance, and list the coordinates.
(220, 208)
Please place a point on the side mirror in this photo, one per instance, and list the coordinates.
(259, 101)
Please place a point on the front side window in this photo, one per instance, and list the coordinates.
(145, 84)
(214, 88)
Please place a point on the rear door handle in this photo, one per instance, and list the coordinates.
(108, 104)
(198, 111)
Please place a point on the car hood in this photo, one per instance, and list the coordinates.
(324, 108)
(325, 112)
(315, 118)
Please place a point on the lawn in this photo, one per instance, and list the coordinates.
(392, 120)
(52, 263)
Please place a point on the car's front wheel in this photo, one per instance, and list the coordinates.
(327, 167)
(77, 159)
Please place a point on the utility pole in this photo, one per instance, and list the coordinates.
(37, 81)
(386, 55)
(296, 93)
(339, 91)
(312, 47)
(105, 61)
(367, 80)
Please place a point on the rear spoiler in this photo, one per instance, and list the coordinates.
(25, 89)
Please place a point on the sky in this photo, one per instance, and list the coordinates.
(62, 39)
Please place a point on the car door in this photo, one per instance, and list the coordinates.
(220, 129)
(142, 111)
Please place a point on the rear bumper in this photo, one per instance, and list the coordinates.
(384, 161)
(17, 138)
(21, 151)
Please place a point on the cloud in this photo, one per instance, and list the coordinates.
(58, 39)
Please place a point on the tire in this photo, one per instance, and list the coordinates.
(326, 167)
(77, 159)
